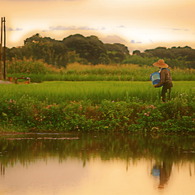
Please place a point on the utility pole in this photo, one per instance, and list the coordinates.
(3, 70)
(1, 39)
(4, 51)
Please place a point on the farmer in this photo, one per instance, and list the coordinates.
(165, 79)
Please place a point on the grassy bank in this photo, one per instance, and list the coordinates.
(96, 106)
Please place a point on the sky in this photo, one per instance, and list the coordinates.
(139, 24)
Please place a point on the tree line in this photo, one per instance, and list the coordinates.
(182, 57)
(74, 48)
(91, 50)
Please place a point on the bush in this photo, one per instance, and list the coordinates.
(29, 67)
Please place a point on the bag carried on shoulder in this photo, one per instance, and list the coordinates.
(155, 78)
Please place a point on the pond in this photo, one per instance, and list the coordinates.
(97, 163)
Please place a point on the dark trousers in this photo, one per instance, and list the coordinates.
(166, 93)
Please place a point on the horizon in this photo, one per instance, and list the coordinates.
(102, 41)
(138, 24)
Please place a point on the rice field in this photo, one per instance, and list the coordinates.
(96, 106)
(94, 91)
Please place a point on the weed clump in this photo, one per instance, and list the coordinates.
(36, 115)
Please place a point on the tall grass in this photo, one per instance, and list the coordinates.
(39, 71)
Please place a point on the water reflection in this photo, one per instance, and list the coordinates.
(77, 163)
(163, 171)
(2, 169)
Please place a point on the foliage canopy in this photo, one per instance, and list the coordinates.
(91, 50)
(74, 48)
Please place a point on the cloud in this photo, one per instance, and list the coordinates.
(121, 26)
(135, 42)
(179, 29)
(14, 29)
(113, 39)
(175, 29)
(63, 28)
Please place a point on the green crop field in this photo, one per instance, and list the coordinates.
(95, 91)
(96, 105)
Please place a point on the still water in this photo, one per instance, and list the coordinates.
(97, 163)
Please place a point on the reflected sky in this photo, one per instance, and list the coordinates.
(97, 177)
(96, 164)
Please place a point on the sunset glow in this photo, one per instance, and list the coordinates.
(139, 24)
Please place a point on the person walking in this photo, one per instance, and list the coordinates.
(165, 79)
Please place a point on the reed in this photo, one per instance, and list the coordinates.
(39, 72)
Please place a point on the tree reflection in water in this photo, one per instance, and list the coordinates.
(165, 150)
